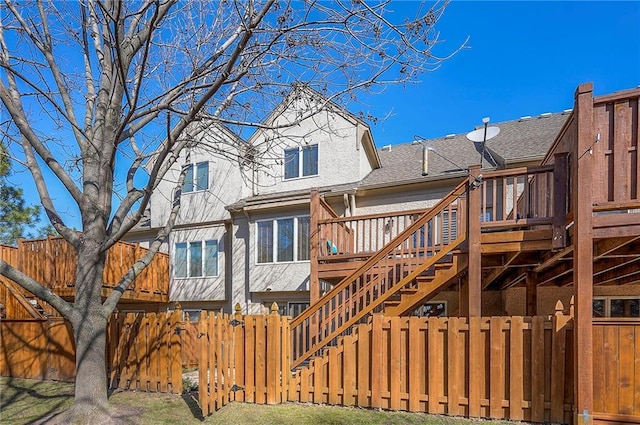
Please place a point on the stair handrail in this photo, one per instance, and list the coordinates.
(415, 226)
(379, 300)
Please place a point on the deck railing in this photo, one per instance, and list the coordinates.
(53, 261)
(367, 234)
(519, 197)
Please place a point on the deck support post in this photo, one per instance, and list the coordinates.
(582, 208)
(471, 291)
(314, 216)
(532, 293)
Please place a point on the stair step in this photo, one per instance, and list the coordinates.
(407, 291)
(420, 279)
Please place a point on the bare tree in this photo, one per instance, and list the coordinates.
(102, 96)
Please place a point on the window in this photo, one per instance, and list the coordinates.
(197, 177)
(432, 309)
(616, 306)
(449, 232)
(194, 315)
(301, 162)
(283, 240)
(196, 259)
(291, 309)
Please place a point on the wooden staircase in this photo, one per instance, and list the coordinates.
(17, 305)
(426, 285)
(401, 268)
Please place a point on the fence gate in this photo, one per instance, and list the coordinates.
(243, 358)
(616, 370)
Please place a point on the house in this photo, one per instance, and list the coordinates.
(244, 231)
(312, 216)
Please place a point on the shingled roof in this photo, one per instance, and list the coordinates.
(525, 139)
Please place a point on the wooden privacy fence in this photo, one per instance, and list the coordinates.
(616, 370)
(143, 351)
(517, 368)
(37, 349)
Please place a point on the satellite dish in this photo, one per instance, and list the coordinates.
(478, 135)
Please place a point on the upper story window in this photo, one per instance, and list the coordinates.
(197, 177)
(301, 161)
(196, 259)
(283, 240)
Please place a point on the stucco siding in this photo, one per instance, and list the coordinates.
(227, 183)
(399, 200)
(338, 155)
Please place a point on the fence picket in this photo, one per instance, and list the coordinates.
(453, 366)
(516, 369)
(415, 359)
(434, 364)
(349, 382)
(395, 361)
(475, 355)
(376, 361)
(537, 369)
(496, 367)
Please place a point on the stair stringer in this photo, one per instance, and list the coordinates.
(425, 290)
(21, 299)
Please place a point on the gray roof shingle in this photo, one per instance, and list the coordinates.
(518, 140)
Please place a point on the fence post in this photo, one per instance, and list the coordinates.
(558, 350)
(274, 390)
(176, 349)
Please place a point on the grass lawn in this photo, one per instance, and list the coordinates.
(27, 402)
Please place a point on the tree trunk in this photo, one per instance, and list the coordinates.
(91, 376)
(91, 403)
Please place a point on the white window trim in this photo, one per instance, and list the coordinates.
(274, 221)
(607, 301)
(300, 164)
(194, 166)
(202, 242)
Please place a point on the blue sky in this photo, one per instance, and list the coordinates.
(522, 58)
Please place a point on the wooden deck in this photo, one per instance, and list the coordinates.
(574, 218)
(52, 262)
